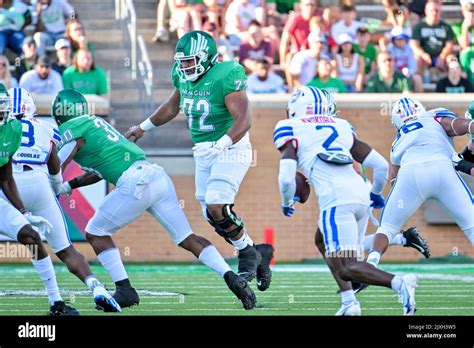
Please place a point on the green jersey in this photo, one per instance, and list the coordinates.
(106, 152)
(10, 140)
(333, 85)
(202, 101)
(369, 55)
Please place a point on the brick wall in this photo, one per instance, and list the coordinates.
(259, 204)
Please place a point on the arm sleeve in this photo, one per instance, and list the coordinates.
(376, 161)
(287, 181)
(66, 150)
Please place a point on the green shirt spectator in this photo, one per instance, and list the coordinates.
(324, 80)
(85, 77)
(364, 48)
(387, 80)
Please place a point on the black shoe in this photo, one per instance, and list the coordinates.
(264, 273)
(239, 286)
(59, 308)
(358, 287)
(249, 259)
(126, 296)
(415, 240)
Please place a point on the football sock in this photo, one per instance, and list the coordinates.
(91, 282)
(212, 259)
(46, 271)
(398, 240)
(242, 242)
(112, 262)
(374, 257)
(347, 296)
(397, 283)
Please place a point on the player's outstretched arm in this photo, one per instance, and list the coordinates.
(457, 126)
(238, 105)
(363, 153)
(9, 188)
(85, 179)
(165, 113)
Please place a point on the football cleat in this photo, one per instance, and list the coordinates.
(59, 308)
(264, 273)
(415, 240)
(349, 309)
(249, 259)
(126, 296)
(104, 301)
(239, 286)
(407, 293)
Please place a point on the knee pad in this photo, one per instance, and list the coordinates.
(230, 219)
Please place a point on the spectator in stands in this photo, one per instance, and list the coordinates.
(324, 80)
(263, 80)
(295, 33)
(398, 14)
(161, 33)
(51, 25)
(255, 48)
(349, 66)
(77, 37)
(454, 82)
(185, 16)
(5, 75)
(84, 76)
(238, 16)
(368, 51)
(404, 59)
(63, 53)
(432, 39)
(417, 11)
(14, 17)
(304, 64)
(387, 80)
(464, 32)
(224, 47)
(347, 24)
(42, 80)
(28, 59)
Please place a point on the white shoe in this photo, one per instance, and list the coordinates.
(407, 293)
(349, 309)
(104, 301)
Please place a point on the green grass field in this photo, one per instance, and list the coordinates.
(444, 289)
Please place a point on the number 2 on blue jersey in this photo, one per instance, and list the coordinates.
(29, 134)
(331, 138)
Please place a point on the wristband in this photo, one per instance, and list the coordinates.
(224, 142)
(147, 125)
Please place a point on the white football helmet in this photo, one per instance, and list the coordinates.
(22, 103)
(5, 108)
(406, 109)
(307, 101)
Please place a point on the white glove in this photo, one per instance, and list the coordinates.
(456, 158)
(42, 225)
(65, 189)
(211, 149)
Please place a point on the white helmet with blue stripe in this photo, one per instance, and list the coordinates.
(406, 109)
(308, 101)
(22, 103)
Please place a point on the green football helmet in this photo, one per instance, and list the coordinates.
(198, 47)
(5, 105)
(331, 103)
(68, 104)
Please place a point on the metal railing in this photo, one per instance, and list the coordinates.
(124, 9)
(139, 59)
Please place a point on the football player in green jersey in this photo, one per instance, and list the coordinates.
(212, 95)
(139, 187)
(15, 221)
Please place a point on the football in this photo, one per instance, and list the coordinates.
(302, 187)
